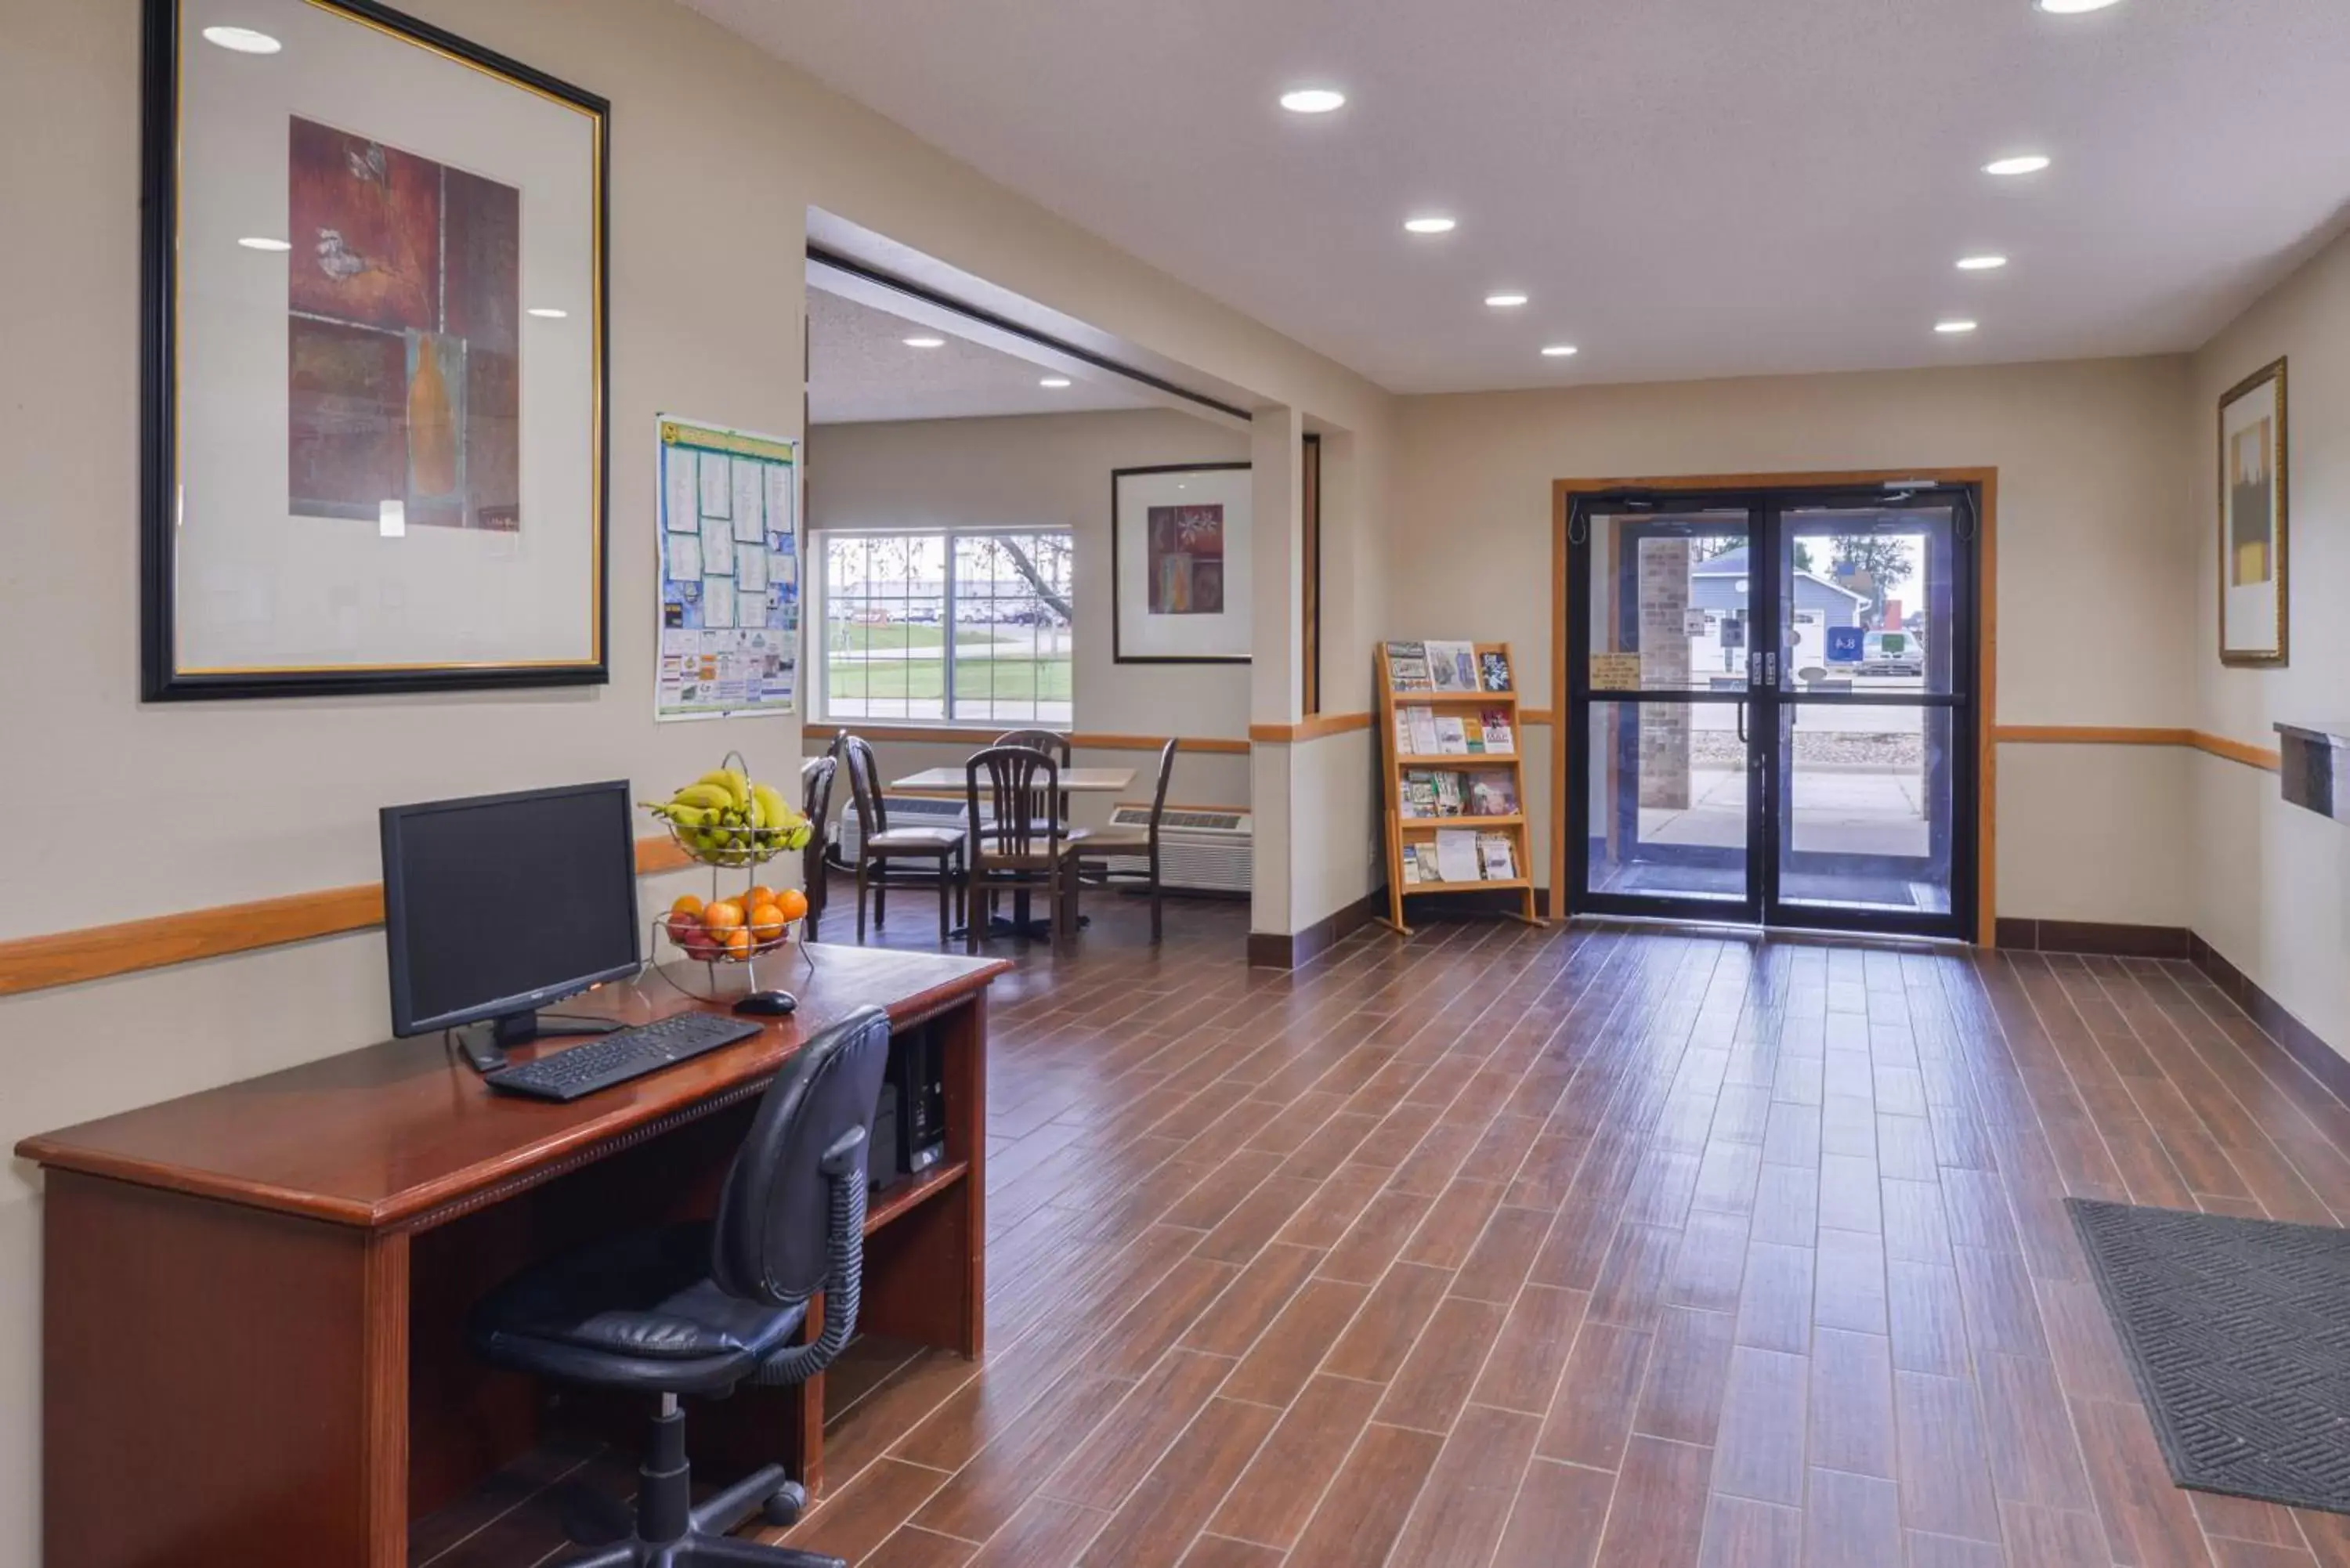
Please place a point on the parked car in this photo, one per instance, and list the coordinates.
(1892, 655)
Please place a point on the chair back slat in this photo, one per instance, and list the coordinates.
(1158, 795)
(1013, 794)
(865, 787)
(1052, 742)
(815, 804)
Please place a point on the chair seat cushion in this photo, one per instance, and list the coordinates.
(639, 1310)
(1120, 840)
(927, 839)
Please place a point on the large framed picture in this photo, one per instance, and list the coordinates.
(1179, 561)
(2254, 510)
(374, 390)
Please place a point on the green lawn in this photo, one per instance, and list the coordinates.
(848, 638)
(922, 679)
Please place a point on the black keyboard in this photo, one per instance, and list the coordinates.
(616, 1058)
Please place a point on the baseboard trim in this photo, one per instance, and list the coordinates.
(2297, 1039)
(1274, 950)
(2301, 1043)
(2102, 939)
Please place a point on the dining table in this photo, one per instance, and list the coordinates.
(1074, 781)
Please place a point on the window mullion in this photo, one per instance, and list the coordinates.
(947, 630)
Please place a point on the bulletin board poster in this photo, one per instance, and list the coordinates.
(730, 573)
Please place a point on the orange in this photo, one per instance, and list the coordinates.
(687, 904)
(760, 893)
(723, 917)
(793, 903)
(738, 943)
(767, 922)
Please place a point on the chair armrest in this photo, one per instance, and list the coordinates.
(845, 1181)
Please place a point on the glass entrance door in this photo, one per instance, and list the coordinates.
(1772, 697)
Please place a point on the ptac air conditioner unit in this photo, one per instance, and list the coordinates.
(904, 811)
(1205, 849)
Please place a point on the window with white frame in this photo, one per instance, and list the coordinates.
(948, 626)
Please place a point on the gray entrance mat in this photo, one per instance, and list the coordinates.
(2238, 1331)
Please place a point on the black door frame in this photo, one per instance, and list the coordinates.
(1763, 699)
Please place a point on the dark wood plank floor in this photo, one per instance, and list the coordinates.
(1586, 1247)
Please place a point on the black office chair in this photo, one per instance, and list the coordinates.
(700, 1308)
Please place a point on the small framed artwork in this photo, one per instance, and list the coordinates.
(2253, 513)
(1179, 562)
(374, 391)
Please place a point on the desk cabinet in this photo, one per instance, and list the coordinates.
(255, 1297)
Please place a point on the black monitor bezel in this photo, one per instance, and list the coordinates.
(395, 910)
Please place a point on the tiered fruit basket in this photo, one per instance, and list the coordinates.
(728, 822)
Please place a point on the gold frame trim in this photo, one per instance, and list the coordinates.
(2282, 655)
(600, 122)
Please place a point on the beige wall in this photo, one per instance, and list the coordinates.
(187, 805)
(2089, 578)
(1043, 470)
(2272, 881)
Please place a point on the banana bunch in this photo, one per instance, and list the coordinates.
(723, 816)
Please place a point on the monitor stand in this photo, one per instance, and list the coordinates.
(486, 1054)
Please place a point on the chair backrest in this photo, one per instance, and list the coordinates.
(1158, 795)
(1052, 742)
(815, 804)
(865, 787)
(1008, 787)
(769, 1244)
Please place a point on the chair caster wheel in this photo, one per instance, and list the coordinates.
(784, 1507)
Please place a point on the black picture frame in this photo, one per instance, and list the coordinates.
(160, 679)
(1117, 649)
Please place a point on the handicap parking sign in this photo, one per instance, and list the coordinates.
(1844, 643)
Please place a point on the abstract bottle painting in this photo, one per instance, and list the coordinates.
(403, 310)
(1187, 560)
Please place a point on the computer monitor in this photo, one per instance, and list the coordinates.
(495, 907)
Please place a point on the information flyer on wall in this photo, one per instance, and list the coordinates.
(730, 573)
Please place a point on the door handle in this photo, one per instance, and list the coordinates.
(1741, 721)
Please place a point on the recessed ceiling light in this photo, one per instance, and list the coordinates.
(548, 313)
(1054, 382)
(258, 243)
(243, 40)
(2073, 7)
(2021, 163)
(1982, 264)
(1313, 100)
(1559, 350)
(1954, 328)
(1505, 301)
(926, 342)
(1429, 225)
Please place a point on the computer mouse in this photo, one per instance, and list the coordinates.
(767, 1004)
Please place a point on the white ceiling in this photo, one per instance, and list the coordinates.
(1686, 187)
(861, 368)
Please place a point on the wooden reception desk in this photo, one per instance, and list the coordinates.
(253, 1297)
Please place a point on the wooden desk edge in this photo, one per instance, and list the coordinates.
(485, 1183)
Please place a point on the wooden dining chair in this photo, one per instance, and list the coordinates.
(816, 775)
(1019, 842)
(882, 847)
(1095, 851)
(1054, 744)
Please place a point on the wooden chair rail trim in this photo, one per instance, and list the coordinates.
(99, 953)
(980, 734)
(1309, 729)
(2251, 755)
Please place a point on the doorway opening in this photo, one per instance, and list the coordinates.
(1772, 706)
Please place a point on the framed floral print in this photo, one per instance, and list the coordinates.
(2253, 602)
